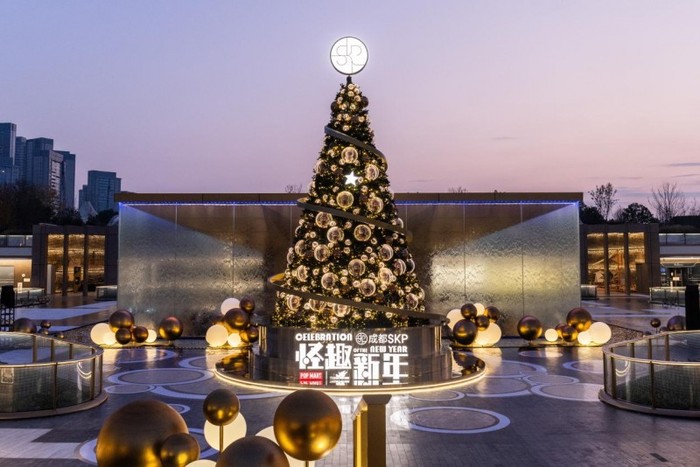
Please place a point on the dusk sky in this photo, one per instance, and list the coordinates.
(232, 96)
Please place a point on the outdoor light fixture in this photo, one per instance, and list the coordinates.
(551, 335)
(349, 55)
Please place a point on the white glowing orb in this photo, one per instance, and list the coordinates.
(349, 55)
(234, 340)
(97, 332)
(480, 309)
(269, 433)
(152, 336)
(228, 304)
(233, 431)
(551, 335)
(600, 332)
(109, 338)
(217, 335)
(454, 316)
(492, 334)
(584, 338)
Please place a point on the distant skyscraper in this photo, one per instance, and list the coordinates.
(68, 187)
(100, 190)
(8, 133)
(20, 157)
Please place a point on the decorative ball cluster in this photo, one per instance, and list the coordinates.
(235, 328)
(579, 328)
(121, 329)
(28, 326)
(475, 325)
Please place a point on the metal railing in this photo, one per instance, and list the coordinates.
(655, 374)
(43, 376)
(667, 296)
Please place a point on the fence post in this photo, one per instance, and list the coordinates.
(369, 449)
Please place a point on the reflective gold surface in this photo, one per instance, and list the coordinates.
(221, 407)
(529, 328)
(178, 450)
(253, 451)
(170, 328)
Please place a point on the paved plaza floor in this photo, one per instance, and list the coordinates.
(534, 407)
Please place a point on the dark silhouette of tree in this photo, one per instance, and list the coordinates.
(603, 198)
(636, 213)
(102, 217)
(67, 216)
(590, 215)
(668, 202)
(23, 205)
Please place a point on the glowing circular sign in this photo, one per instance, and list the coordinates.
(349, 55)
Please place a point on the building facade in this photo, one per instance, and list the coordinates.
(100, 190)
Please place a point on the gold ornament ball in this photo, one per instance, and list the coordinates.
(655, 323)
(559, 328)
(493, 313)
(307, 424)
(45, 323)
(468, 311)
(24, 325)
(134, 434)
(253, 451)
(250, 335)
(247, 304)
(178, 450)
(140, 334)
(569, 333)
(580, 319)
(170, 328)
(121, 319)
(123, 336)
(236, 319)
(482, 322)
(464, 332)
(221, 407)
(676, 323)
(529, 328)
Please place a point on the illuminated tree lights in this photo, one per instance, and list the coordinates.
(349, 264)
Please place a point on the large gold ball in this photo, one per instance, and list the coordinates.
(250, 335)
(140, 334)
(580, 319)
(237, 319)
(178, 450)
(559, 328)
(134, 434)
(170, 328)
(24, 325)
(123, 336)
(253, 451)
(529, 328)
(307, 424)
(482, 322)
(464, 332)
(221, 407)
(676, 323)
(121, 319)
(247, 304)
(493, 313)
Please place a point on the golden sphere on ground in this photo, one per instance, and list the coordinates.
(123, 336)
(178, 450)
(121, 319)
(464, 332)
(468, 311)
(307, 424)
(493, 313)
(253, 451)
(250, 335)
(221, 407)
(569, 333)
(134, 434)
(236, 319)
(140, 334)
(559, 328)
(482, 322)
(676, 323)
(170, 328)
(529, 328)
(580, 319)
(24, 325)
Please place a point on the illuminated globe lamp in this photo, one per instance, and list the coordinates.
(488, 337)
(480, 309)
(600, 332)
(551, 335)
(98, 332)
(585, 338)
(217, 335)
(229, 304)
(453, 316)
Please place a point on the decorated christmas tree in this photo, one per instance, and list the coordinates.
(349, 266)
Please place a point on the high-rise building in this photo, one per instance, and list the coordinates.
(100, 190)
(8, 132)
(68, 186)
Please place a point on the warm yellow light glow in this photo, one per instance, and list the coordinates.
(584, 338)
(152, 336)
(551, 335)
(228, 304)
(479, 308)
(108, 337)
(233, 431)
(97, 333)
(217, 335)
(489, 336)
(600, 332)
(234, 340)
(454, 316)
